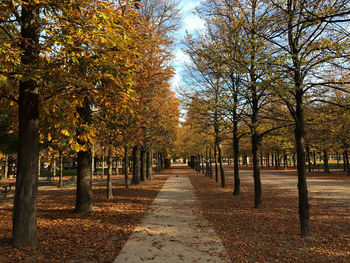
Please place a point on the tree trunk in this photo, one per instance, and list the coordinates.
(222, 175)
(210, 165)
(54, 167)
(272, 159)
(206, 162)
(143, 165)
(325, 162)
(347, 165)
(84, 183)
(6, 168)
(202, 164)
(136, 165)
(216, 164)
(304, 216)
(126, 163)
(24, 229)
(103, 164)
(92, 160)
(256, 171)
(60, 180)
(285, 160)
(237, 181)
(308, 156)
(268, 160)
(39, 166)
(109, 176)
(149, 168)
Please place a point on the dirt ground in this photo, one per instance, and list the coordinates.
(271, 234)
(66, 236)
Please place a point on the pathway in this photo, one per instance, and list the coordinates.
(172, 231)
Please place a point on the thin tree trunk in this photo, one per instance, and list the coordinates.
(126, 163)
(149, 168)
(237, 181)
(109, 176)
(60, 180)
(136, 165)
(54, 167)
(92, 160)
(103, 164)
(6, 167)
(24, 229)
(143, 165)
(325, 162)
(347, 165)
(210, 165)
(222, 175)
(285, 160)
(216, 164)
(39, 166)
(256, 171)
(206, 163)
(308, 156)
(304, 216)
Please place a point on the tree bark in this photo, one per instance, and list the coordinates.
(210, 165)
(222, 175)
(24, 229)
(237, 181)
(126, 163)
(54, 167)
(308, 156)
(143, 165)
(325, 162)
(256, 171)
(109, 175)
(6, 168)
(304, 216)
(92, 160)
(60, 180)
(347, 165)
(84, 183)
(136, 165)
(103, 164)
(216, 164)
(149, 168)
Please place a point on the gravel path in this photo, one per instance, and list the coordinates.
(172, 231)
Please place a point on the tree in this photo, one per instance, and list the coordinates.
(307, 36)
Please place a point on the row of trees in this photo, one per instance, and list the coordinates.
(276, 71)
(81, 73)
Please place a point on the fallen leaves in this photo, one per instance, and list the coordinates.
(270, 234)
(66, 236)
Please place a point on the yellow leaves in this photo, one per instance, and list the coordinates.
(65, 132)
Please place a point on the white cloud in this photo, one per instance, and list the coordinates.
(193, 22)
(176, 80)
(181, 58)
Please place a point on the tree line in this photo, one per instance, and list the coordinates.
(80, 78)
(272, 76)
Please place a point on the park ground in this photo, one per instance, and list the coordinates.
(269, 234)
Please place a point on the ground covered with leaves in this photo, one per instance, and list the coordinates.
(66, 236)
(271, 234)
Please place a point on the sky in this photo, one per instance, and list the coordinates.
(191, 23)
